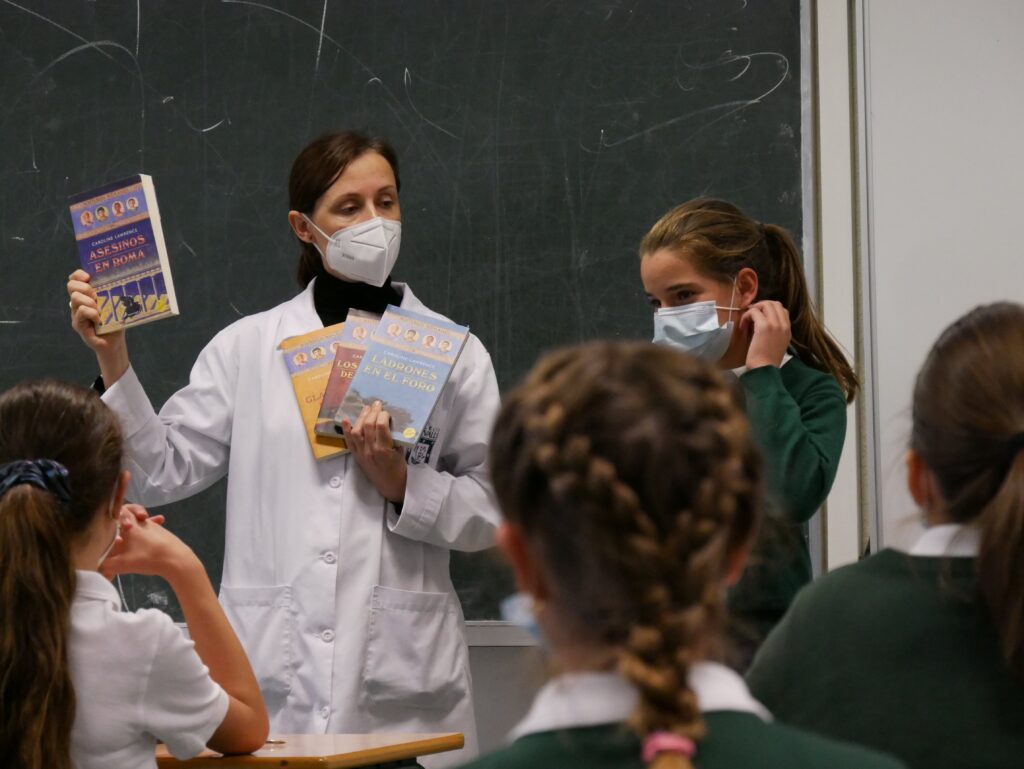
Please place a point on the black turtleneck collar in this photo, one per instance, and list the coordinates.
(333, 298)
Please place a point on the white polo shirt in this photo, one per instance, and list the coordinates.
(137, 679)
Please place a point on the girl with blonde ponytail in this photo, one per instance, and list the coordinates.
(83, 684)
(922, 654)
(731, 290)
(630, 490)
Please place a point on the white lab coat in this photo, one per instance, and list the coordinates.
(345, 608)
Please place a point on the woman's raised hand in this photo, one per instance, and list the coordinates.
(111, 350)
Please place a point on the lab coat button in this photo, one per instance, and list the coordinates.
(327, 636)
(325, 711)
(329, 557)
(335, 482)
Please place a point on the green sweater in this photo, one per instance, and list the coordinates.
(733, 741)
(895, 652)
(798, 419)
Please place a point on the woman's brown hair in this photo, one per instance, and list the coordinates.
(315, 169)
(968, 428)
(720, 240)
(631, 473)
(72, 426)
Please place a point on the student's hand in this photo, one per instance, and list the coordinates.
(146, 547)
(768, 326)
(369, 440)
(132, 513)
(110, 349)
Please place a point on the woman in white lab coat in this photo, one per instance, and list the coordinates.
(335, 572)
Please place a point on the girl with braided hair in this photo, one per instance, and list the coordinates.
(922, 653)
(630, 490)
(82, 683)
(731, 290)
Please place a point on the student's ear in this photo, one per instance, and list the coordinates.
(120, 490)
(922, 485)
(302, 229)
(511, 541)
(736, 562)
(746, 287)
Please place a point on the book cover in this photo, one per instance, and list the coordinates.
(349, 349)
(121, 245)
(406, 366)
(308, 358)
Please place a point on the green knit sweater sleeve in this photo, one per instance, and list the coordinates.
(798, 418)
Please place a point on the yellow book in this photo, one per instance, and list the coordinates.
(309, 358)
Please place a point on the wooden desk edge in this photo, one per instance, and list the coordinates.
(390, 753)
(427, 745)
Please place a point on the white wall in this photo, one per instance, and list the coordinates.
(944, 98)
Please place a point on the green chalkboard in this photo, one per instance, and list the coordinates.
(538, 141)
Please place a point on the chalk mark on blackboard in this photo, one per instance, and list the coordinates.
(730, 107)
(96, 45)
(407, 79)
(362, 65)
(320, 42)
(189, 248)
(138, 25)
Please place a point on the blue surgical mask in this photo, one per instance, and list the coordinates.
(694, 328)
(518, 609)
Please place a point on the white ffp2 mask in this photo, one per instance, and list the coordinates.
(366, 252)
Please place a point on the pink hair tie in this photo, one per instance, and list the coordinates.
(667, 742)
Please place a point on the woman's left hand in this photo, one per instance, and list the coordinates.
(369, 440)
(768, 326)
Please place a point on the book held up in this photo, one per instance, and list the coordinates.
(121, 245)
(406, 366)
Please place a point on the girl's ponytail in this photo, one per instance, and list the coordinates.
(814, 345)
(1000, 560)
(37, 585)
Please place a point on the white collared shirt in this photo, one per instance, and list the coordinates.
(592, 699)
(137, 679)
(951, 540)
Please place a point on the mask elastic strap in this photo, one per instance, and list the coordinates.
(732, 306)
(313, 224)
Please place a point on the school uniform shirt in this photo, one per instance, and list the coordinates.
(797, 418)
(898, 652)
(137, 679)
(343, 602)
(578, 721)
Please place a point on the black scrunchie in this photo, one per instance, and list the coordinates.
(44, 474)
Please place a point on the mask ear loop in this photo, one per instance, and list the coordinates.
(732, 300)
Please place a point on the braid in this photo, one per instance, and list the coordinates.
(630, 468)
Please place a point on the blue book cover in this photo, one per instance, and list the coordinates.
(406, 366)
(121, 245)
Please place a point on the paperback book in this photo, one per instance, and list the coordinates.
(406, 366)
(308, 358)
(121, 245)
(359, 327)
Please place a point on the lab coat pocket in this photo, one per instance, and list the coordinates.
(262, 619)
(415, 653)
